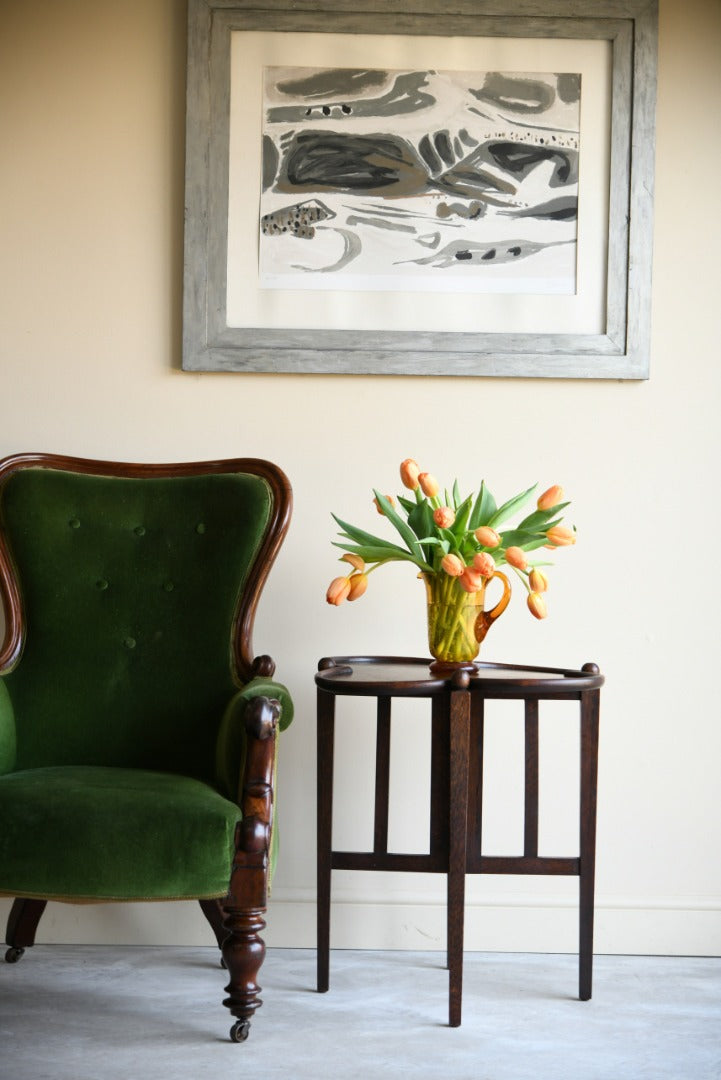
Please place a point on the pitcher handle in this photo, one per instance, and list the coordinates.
(485, 619)
(502, 604)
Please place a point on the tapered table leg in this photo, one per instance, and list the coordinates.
(590, 702)
(460, 717)
(326, 716)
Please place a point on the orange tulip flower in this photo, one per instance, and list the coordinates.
(550, 498)
(429, 484)
(537, 580)
(537, 605)
(444, 517)
(487, 536)
(358, 585)
(516, 556)
(409, 473)
(560, 536)
(452, 565)
(484, 564)
(355, 560)
(471, 580)
(338, 591)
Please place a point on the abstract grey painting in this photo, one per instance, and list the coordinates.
(419, 180)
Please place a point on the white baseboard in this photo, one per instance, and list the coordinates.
(672, 926)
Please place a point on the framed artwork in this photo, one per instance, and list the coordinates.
(406, 189)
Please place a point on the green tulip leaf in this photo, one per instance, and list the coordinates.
(401, 526)
(420, 520)
(522, 538)
(371, 554)
(483, 509)
(463, 512)
(509, 508)
(360, 536)
(443, 544)
(531, 545)
(540, 519)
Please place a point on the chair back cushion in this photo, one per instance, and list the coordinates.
(130, 587)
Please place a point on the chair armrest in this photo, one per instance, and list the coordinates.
(231, 747)
(8, 745)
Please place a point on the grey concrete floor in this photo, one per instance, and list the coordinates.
(100, 1013)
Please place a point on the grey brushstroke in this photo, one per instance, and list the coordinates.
(460, 251)
(561, 209)
(334, 161)
(406, 95)
(430, 240)
(518, 159)
(429, 156)
(270, 162)
(517, 95)
(351, 251)
(333, 82)
(568, 86)
(442, 143)
(380, 223)
(389, 210)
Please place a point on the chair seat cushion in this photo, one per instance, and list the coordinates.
(81, 832)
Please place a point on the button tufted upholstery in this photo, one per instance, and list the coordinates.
(127, 654)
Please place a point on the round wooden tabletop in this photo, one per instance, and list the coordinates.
(403, 676)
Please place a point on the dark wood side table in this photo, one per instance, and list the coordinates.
(457, 705)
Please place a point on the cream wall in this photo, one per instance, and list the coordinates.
(92, 106)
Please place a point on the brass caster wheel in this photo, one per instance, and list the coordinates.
(240, 1031)
(13, 954)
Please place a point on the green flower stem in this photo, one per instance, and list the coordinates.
(452, 615)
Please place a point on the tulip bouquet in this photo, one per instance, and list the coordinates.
(458, 545)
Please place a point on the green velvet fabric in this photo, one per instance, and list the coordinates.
(7, 731)
(120, 755)
(86, 832)
(129, 588)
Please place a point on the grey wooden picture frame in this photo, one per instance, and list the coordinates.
(621, 352)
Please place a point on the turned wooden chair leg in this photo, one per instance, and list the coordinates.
(243, 952)
(245, 905)
(24, 917)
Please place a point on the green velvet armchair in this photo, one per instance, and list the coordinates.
(137, 731)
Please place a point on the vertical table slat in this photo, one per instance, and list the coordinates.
(530, 820)
(383, 767)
